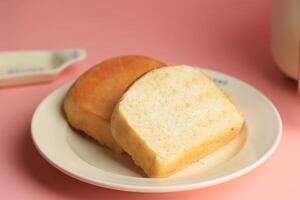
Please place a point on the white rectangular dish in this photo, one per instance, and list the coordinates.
(27, 67)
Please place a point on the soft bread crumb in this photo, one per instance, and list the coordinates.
(172, 117)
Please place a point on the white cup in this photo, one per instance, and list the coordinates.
(286, 35)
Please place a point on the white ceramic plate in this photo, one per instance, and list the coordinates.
(82, 158)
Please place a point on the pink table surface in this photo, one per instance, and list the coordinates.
(231, 36)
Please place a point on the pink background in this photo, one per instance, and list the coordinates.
(231, 36)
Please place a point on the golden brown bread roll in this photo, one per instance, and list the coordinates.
(89, 103)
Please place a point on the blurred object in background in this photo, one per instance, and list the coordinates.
(285, 36)
(28, 67)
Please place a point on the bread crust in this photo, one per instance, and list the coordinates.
(90, 101)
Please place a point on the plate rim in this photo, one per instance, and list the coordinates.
(171, 188)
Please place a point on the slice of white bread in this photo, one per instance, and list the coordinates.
(90, 101)
(171, 117)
